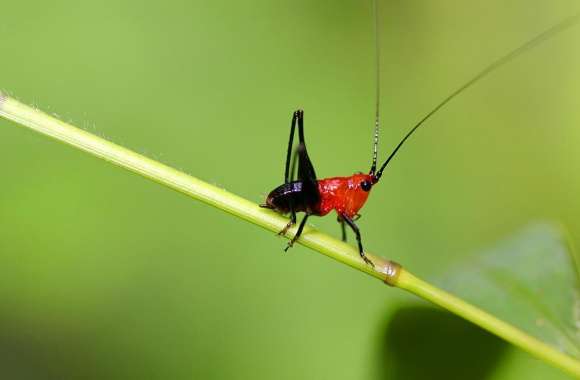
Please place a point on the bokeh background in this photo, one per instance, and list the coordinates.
(104, 274)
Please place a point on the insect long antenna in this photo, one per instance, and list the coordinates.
(378, 88)
(542, 37)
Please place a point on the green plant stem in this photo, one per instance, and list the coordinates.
(387, 271)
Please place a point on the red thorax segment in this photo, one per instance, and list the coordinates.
(343, 194)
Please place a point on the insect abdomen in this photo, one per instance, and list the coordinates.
(292, 196)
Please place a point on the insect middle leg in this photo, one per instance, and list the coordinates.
(356, 230)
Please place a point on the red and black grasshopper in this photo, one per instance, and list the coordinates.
(347, 195)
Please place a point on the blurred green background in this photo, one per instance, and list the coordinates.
(104, 274)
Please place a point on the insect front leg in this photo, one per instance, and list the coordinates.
(356, 230)
(342, 227)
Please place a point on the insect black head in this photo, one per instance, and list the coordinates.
(366, 185)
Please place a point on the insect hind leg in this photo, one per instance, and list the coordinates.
(295, 117)
(298, 233)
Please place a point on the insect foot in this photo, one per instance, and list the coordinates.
(286, 228)
(367, 260)
(290, 244)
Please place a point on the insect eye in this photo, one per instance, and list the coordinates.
(365, 185)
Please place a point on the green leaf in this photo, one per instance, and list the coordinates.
(530, 281)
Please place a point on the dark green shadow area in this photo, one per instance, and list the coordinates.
(30, 352)
(426, 343)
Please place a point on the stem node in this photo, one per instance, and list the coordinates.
(391, 270)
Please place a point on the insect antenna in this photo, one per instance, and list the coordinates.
(540, 38)
(378, 87)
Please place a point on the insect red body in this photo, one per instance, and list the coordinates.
(345, 195)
